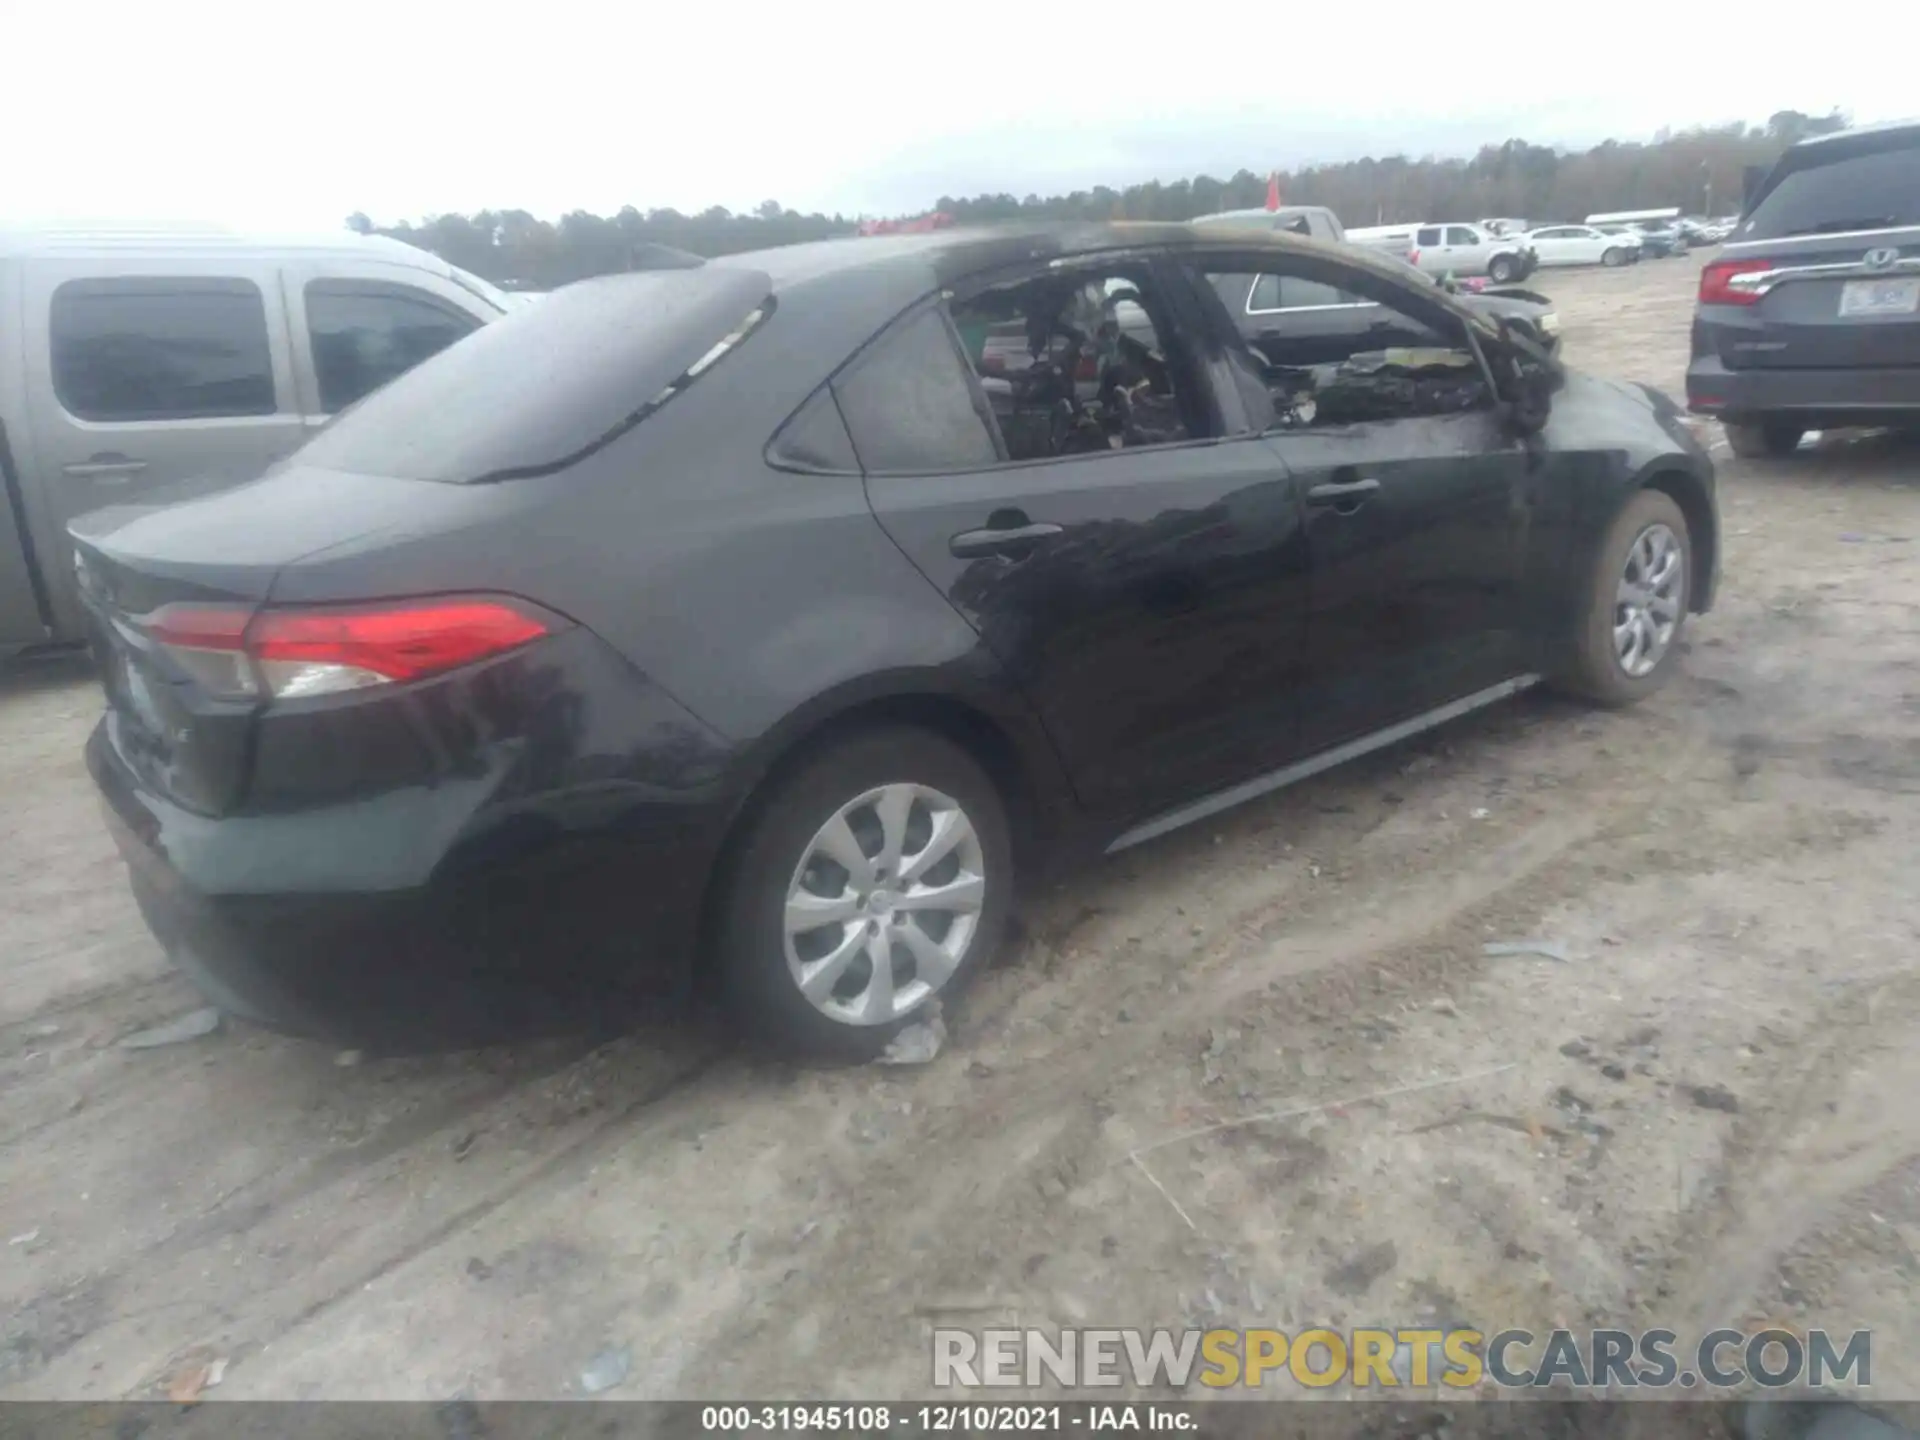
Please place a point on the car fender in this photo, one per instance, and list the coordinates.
(968, 699)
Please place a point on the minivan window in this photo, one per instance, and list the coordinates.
(160, 348)
(1875, 191)
(367, 334)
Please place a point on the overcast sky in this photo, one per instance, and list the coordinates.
(276, 115)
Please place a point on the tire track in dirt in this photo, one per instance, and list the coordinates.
(298, 1224)
(1792, 1166)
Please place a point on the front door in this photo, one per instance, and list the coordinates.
(1416, 527)
(136, 381)
(1142, 579)
(1417, 511)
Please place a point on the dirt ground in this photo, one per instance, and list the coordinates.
(1704, 1115)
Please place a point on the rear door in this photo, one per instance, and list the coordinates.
(1836, 240)
(1140, 575)
(1464, 249)
(357, 325)
(1557, 245)
(1429, 249)
(144, 374)
(1417, 503)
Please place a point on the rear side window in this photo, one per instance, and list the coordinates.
(1429, 236)
(161, 349)
(364, 335)
(909, 402)
(816, 439)
(1874, 191)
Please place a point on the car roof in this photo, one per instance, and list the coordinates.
(1254, 211)
(851, 288)
(948, 256)
(1856, 132)
(177, 241)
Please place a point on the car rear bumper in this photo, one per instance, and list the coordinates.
(1828, 397)
(568, 925)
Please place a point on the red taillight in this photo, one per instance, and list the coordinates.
(1413, 257)
(1716, 282)
(294, 652)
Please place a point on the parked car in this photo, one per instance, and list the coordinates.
(1394, 240)
(1316, 222)
(1463, 250)
(1257, 316)
(1809, 317)
(1583, 245)
(1654, 245)
(1294, 321)
(1459, 250)
(134, 360)
(721, 624)
(1661, 237)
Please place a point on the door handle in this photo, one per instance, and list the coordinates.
(1346, 496)
(104, 467)
(1011, 540)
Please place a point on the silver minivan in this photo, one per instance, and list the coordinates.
(133, 360)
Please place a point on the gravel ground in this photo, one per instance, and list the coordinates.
(1697, 1118)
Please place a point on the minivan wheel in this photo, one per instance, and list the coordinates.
(1613, 255)
(1763, 439)
(1501, 271)
(874, 879)
(1636, 604)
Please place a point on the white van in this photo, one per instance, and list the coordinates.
(132, 359)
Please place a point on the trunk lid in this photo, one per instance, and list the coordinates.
(184, 740)
(465, 443)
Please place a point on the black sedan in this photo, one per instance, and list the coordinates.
(755, 625)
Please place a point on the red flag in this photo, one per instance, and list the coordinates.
(1273, 190)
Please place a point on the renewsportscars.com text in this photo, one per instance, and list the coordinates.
(1404, 1357)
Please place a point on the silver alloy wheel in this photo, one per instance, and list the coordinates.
(1647, 604)
(884, 904)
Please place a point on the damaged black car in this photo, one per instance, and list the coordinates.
(759, 627)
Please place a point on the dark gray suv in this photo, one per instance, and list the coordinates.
(1809, 317)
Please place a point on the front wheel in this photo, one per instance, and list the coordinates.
(1614, 256)
(874, 879)
(1762, 439)
(1504, 270)
(1635, 605)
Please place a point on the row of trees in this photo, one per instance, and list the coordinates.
(1699, 170)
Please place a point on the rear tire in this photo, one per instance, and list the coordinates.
(1613, 256)
(795, 914)
(1763, 439)
(1503, 271)
(1609, 665)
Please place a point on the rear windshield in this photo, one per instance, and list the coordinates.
(1873, 191)
(546, 383)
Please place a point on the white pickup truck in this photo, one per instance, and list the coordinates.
(1454, 249)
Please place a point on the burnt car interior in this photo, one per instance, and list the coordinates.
(1073, 362)
(1324, 368)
